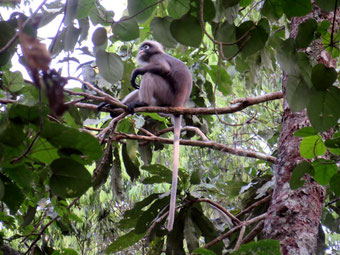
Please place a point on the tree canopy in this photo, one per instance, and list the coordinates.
(75, 181)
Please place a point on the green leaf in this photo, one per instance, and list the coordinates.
(299, 171)
(20, 175)
(71, 38)
(145, 219)
(124, 241)
(272, 9)
(99, 36)
(206, 227)
(71, 11)
(324, 171)
(69, 178)
(226, 33)
(306, 131)
(312, 146)
(327, 5)
(131, 169)
(262, 247)
(229, 3)
(110, 66)
(220, 75)
(195, 177)
(306, 33)
(72, 141)
(137, 208)
(323, 77)
(256, 39)
(177, 8)
(160, 29)
(323, 109)
(287, 57)
(2, 189)
(126, 30)
(174, 242)
(160, 173)
(203, 251)
(209, 11)
(335, 184)
(142, 7)
(13, 196)
(187, 31)
(296, 8)
(297, 93)
(13, 81)
(190, 234)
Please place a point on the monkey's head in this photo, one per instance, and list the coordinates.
(147, 49)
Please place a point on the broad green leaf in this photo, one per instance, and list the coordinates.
(333, 145)
(174, 242)
(99, 15)
(226, 33)
(161, 173)
(296, 8)
(335, 184)
(160, 29)
(130, 167)
(2, 189)
(177, 8)
(151, 214)
(126, 30)
(324, 171)
(272, 9)
(13, 196)
(13, 81)
(209, 11)
(323, 77)
(23, 114)
(306, 33)
(187, 31)
(305, 68)
(221, 77)
(298, 94)
(229, 3)
(287, 57)
(262, 247)
(11, 134)
(306, 131)
(195, 177)
(206, 227)
(312, 146)
(137, 208)
(124, 241)
(256, 39)
(203, 251)
(8, 32)
(136, 6)
(110, 66)
(85, 6)
(44, 151)
(69, 178)
(323, 109)
(299, 171)
(327, 5)
(190, 233)
(71, 11)
(99, 36)
(72, 141)
(20, 175)
(71, 38)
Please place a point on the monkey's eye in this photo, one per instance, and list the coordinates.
(146, 47)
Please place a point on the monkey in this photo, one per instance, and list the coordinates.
(166, 81)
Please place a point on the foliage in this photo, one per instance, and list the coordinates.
(57, 151)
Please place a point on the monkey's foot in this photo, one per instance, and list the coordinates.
(131, 106)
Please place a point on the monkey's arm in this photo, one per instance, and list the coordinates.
(159, 68)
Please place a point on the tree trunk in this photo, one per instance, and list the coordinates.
(294, 215)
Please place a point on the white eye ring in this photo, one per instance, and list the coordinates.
(146, 47)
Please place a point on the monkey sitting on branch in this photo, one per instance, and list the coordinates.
(166, 81)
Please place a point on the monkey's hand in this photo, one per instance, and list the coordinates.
(131, 106)
(133, 83)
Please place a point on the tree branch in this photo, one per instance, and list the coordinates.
(202, 144)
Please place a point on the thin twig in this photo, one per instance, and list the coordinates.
(257, 203)
(221, 208)
(239, 239)
(202, 144)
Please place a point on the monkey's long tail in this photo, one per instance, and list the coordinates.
(177, 131)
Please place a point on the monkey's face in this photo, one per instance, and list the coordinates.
(147, 49)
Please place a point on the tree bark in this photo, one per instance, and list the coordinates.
(294, 215)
